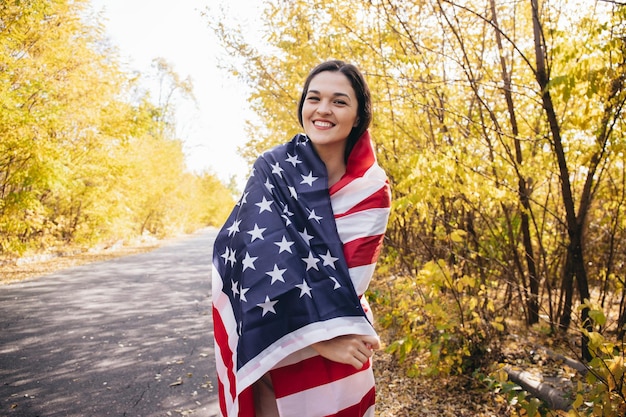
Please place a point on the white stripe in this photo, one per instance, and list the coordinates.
(361, 277)
(330, 398)
(358, 190)
(222, 375)
(366, 223)
(297, 340)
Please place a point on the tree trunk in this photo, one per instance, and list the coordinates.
(532, 299)
(574, 266)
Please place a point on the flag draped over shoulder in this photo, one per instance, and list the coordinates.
(289, 268)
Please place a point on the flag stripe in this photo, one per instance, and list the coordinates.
(362, 224)
(358, 409)
(310, 373)
(363, 251)
(379, 199)
(349, 395)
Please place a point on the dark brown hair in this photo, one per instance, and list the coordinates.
(362, 91)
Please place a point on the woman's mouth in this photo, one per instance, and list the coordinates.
(321, 123)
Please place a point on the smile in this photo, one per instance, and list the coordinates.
(320, 123)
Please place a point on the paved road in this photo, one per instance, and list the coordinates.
(127, 337)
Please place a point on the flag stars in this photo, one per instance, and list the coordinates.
(329, 260)
(226, 255)
(313, 216)
(311, 262)
(268, 185)
(308, 179)
(231, 258)
(306, 236)
(276, 274)
(242, 295)
(337, 285)
(234, 228)
(256, 233)
(284, 245)
(243, 200)
(267, 306)
(293, 192)
(263, 205)
(234, 287)
(304, 289)
(293, 159)
(248, 262)
(276, 169)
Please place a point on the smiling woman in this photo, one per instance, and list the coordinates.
(312, 217)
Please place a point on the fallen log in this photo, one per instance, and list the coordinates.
(553, 397)
(572, 363)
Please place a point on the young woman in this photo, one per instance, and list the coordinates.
(293, 331)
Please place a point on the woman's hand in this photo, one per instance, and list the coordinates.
(351, 349)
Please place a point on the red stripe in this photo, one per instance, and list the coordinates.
(360, 160)
(309, 373)
(246, 403)
(221, 339)
(220, 390)
(379, 199)
(363, 251)
(358, 410)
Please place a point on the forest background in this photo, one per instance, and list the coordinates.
(499, 124)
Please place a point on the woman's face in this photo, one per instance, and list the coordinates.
(329, 111)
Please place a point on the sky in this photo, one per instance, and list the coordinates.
(143, 30)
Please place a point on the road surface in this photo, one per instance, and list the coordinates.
(127, 337)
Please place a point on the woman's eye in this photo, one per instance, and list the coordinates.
(313, 98)
(340, 102)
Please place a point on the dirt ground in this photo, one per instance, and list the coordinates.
(397, 394)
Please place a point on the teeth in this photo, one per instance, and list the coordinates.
(322, 124)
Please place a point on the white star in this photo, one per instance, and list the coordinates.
(276, 169)
(329, 259)
(256, 233)
(306, 236)
(253, 172)
(268, 185)
(267, 306)
(311, 261)
(234, 287)
(242, 296)
(264, 205)
(231, 257)
(293, 192)
(286, 211)
(243, 200)
(313, 216)
(336, 283)
(293, 159)
(276, 274)
(304, 289)
(248, 262)
(226, 255)
(284, 245)
(234, 228)
(287, 221)
(308, 179)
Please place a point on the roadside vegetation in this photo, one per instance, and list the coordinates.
(87, 157)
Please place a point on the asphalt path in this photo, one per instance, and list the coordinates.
(127, 337)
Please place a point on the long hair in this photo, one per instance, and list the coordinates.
(363, 96)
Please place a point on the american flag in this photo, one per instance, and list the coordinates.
(290, 266)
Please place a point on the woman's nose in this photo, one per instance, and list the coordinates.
(323, 107)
